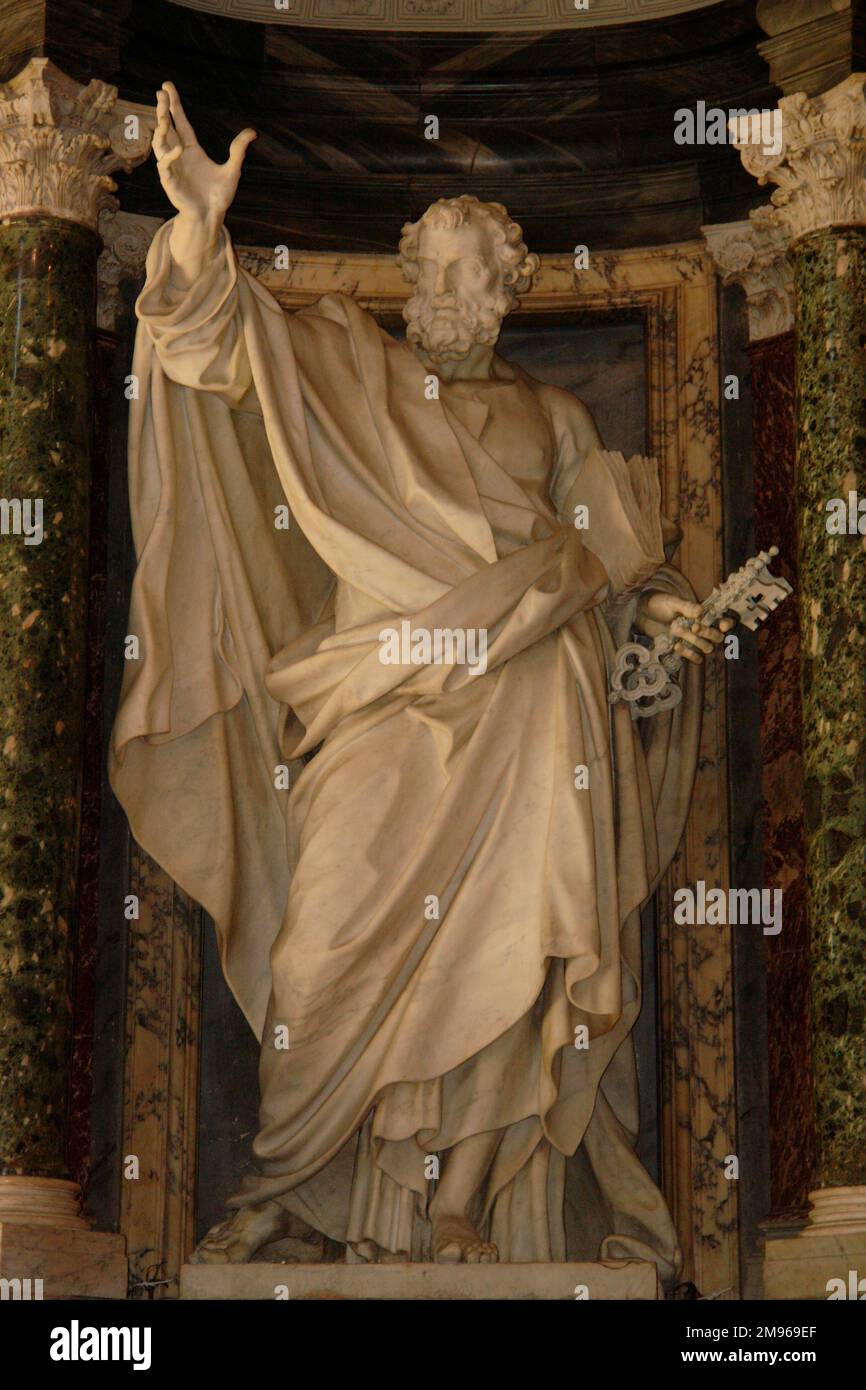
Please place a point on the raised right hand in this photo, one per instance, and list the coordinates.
(200, 189)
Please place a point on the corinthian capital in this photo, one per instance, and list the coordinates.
(126, 239)
(820, 166)
(754, 254)
(60, 143)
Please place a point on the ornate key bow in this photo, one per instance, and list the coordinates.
(645, 676)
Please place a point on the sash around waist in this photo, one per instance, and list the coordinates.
(486, 619)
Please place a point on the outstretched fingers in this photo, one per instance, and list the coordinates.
(182, 126)
(165, 137)
(239, 147)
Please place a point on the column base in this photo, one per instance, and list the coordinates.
(827, 1259)
(47, 1249)
(53, 1202)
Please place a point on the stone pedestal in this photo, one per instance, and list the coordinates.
(68, 1264)
(44, 1237)
(609, 1279)
(827, 1259)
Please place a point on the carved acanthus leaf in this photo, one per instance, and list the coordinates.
(754, 254)
(819, 169)
(61, 142)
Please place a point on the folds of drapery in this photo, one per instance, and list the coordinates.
(246, 661)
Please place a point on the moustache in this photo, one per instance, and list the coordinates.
(444, 302)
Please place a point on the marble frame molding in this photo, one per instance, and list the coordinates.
(674, 289)
(160, 1079)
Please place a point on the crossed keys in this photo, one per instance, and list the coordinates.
(646, 676)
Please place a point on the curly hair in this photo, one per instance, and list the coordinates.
(519, 265)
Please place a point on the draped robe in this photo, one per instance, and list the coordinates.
(433, 910)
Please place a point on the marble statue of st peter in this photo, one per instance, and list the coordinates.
(434, 930)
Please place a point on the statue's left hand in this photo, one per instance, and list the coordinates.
(656, 612)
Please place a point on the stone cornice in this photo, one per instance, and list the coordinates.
(61, 142)
(820, 168)
(813, 44)
(754, 254)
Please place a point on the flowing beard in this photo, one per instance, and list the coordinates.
(447, 329)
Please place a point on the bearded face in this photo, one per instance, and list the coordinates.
(448, 326)
(459, 300)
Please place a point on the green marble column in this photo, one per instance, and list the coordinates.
(47, 325)
(818, 209)
(830, 279)
(60, 143)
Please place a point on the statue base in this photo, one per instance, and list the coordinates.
(608, 1279)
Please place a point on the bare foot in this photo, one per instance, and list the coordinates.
(235, 1240)
(456, 1241)
(376, 1255)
